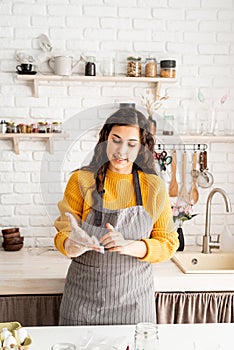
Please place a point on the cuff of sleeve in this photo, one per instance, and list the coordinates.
(59, 241)
(153, 250)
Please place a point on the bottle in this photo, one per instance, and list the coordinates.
(90, 67)
(168, 69)
(134, 66)
(146, 336)
(150, 67)
(3, 127)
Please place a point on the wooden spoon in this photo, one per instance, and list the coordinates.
(184, 196)
(194, 194)
(173, 188)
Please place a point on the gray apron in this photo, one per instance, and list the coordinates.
(109, 288)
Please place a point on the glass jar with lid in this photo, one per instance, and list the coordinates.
(168, 125)
(168, 68)
(150, 67)
(134, 66)
(146, 336)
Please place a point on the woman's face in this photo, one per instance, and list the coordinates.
(123, 145)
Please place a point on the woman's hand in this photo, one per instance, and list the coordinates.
(115, 242)
(79, 241)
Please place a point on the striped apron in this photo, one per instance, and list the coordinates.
(109, 288)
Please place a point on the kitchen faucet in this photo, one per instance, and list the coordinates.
(207, 240)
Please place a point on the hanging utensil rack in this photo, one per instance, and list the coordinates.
(181, 147)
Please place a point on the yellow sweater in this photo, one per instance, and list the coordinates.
(119, 194)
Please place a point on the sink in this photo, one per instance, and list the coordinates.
(196, 262)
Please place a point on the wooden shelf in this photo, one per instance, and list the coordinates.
(36, 79)
(194, 139)
(32, 136)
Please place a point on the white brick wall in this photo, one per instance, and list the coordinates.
(198, 34)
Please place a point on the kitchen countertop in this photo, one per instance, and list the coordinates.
(215, 336)
(43, 271)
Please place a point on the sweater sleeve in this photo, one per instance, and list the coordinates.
(72, 202)
(164, 239)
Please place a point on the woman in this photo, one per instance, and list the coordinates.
(123, 206)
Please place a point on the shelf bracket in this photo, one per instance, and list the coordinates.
(15, 141)
(35, 86)
(50, 143)
(157, 90)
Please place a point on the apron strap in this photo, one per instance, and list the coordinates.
(137, 187)
(98, 212)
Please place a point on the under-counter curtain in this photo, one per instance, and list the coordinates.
(171, 307)
(31, 310)
(195, 307)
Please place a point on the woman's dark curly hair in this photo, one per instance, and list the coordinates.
(144, 160)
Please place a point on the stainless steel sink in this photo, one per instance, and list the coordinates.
(196, 262)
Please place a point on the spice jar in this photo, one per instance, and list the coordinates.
(42, 127)
(168, 125)
(150, 67)
(134, 66)
(56, 127)
(168, 69)
(29, 128)
(22, 128)
(90, 67)
(34, 127)
(146, 336)
(11, 127)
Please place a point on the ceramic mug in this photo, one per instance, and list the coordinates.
(62, 65)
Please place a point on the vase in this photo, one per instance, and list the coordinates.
(181, 239)
(153, 125)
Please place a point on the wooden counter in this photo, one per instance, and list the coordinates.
(39, 271)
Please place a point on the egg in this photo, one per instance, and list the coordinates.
(5, 333)
(22, 334)
(9, 341)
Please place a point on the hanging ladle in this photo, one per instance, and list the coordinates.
(205, 178)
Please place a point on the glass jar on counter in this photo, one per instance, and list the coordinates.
(146, 336)
(168, 68)
(150, 67)
(42, 127)
(56, 127)
(168, 125)
(134, 66)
